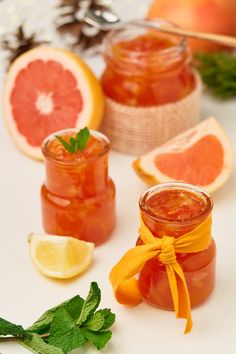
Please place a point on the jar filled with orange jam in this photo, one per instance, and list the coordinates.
(174, 209)
(152, 93)
(146, 67)
(78, 196)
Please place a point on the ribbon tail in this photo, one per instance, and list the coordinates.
(124, 284)
(180, 295)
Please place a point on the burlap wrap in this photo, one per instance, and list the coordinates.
(136, 131)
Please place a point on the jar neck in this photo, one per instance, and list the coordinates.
(160, 226)
(124, 55)
(82, 180)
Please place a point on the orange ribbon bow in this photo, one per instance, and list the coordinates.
(125, 285)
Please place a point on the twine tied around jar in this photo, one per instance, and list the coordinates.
(138, 130)
(122, 276)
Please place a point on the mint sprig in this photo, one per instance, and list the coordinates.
(65, 327)
(78, 143)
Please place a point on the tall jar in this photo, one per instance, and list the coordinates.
(78, 196)
(174, 209)
(152, 93)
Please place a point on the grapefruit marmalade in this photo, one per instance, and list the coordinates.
(173, 209)
(146, 67)
(78, 197)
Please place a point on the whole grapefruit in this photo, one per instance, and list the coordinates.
(213, 16)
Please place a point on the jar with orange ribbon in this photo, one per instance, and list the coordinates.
(174, 255)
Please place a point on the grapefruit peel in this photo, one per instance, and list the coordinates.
(89, 87)
(181, 153)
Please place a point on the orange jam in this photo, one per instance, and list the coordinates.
(146, 67)
(78, 197)
(173, 209)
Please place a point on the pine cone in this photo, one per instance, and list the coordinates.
(71, 21)
(17, 43)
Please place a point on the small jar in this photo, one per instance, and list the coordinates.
(150, 87)
(78, 197)
(174, 209)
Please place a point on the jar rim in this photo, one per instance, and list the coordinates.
(90, 159)
(176, 49)
(143, 205)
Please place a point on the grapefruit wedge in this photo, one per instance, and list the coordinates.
(201, 155)
(47, 90)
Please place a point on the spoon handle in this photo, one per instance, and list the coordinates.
(227, 40)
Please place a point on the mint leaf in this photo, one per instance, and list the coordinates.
(77, 143)
(64, 333)
(109, 318)
(99, 339)
(96, 322)
(91, 303)
(67, 146)
(37, 345)
(82, 138)
(73, 143)
(10, 329)
(73, 306)
(101, 320)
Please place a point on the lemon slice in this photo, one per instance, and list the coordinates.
(60, 256)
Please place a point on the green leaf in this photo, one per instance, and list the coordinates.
(82, 138)
(109, 318)
(218, 72)
(101, 320)
(77, 143)
(73, 306)
(96, 322)
(64, 333)
(37, 345)
(99, 339)
(67, 146)
(10, 329)
(90, 304)
(73, 143)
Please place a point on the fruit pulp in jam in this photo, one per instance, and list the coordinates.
(148, 70)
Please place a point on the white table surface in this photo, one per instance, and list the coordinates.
(25, 294)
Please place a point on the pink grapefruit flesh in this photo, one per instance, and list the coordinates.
(202, 156)
(48, 90)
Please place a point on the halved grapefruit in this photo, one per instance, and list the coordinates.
(201, 155)
(47, 90)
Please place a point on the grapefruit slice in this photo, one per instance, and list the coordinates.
(47, 90)
(201, 155)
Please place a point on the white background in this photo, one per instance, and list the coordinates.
(25, 294)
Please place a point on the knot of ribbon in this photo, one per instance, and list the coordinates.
(167, 254)
(122, 276)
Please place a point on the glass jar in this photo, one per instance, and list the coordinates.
(146, 67)
(78, 197)
(173, 209)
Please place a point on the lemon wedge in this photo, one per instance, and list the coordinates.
(60, 256)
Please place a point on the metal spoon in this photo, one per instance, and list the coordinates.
(107, 20)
